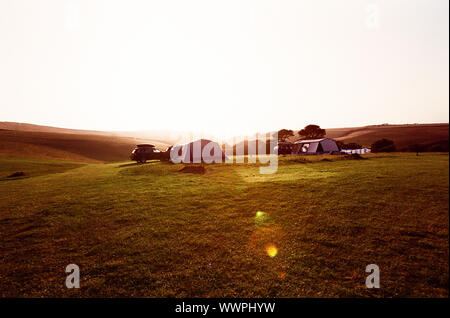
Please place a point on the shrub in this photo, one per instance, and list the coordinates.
(383, 145)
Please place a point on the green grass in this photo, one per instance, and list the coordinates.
(33, 167)
(150, 231)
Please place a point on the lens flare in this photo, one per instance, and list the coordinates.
(271, 250)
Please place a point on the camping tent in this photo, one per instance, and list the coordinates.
(202, 150)
(314, 146)
(250, 147)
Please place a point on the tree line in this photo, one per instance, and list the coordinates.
(309, 132)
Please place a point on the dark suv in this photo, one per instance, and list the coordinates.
(146, 152)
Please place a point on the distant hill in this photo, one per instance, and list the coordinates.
(164, 137)
(6, 125)
(402, 135)
(67, 146)
(34, 141)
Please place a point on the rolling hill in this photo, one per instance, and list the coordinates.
(6, 125)
(35, 141)
(402, 135)
(68, 146)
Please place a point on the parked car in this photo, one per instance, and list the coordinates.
(283, 148)
(145, 152)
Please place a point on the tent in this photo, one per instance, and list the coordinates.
(250, 147)
(314, 146)
(202, 150)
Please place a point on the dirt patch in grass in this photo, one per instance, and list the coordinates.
(297, 160)
(16, 174)
(193, 169)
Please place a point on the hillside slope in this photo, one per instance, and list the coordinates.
(7, 125)
(75, 147)
(164, 137)
(34, 141)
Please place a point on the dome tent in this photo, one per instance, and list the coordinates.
(202, 150)
(314, 146)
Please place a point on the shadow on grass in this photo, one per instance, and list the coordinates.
(14, 178)
(138, 164)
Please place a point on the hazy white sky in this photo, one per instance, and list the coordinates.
(233, 66)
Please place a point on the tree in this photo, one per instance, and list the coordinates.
(383, 145)
(351, 145)
(416, 148)
(284, 134)
(312, 132)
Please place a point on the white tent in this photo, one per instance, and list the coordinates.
(202, 150)
(314, 146)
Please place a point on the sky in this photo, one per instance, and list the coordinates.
(223, 67)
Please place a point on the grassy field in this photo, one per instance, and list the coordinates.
(147, 230)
